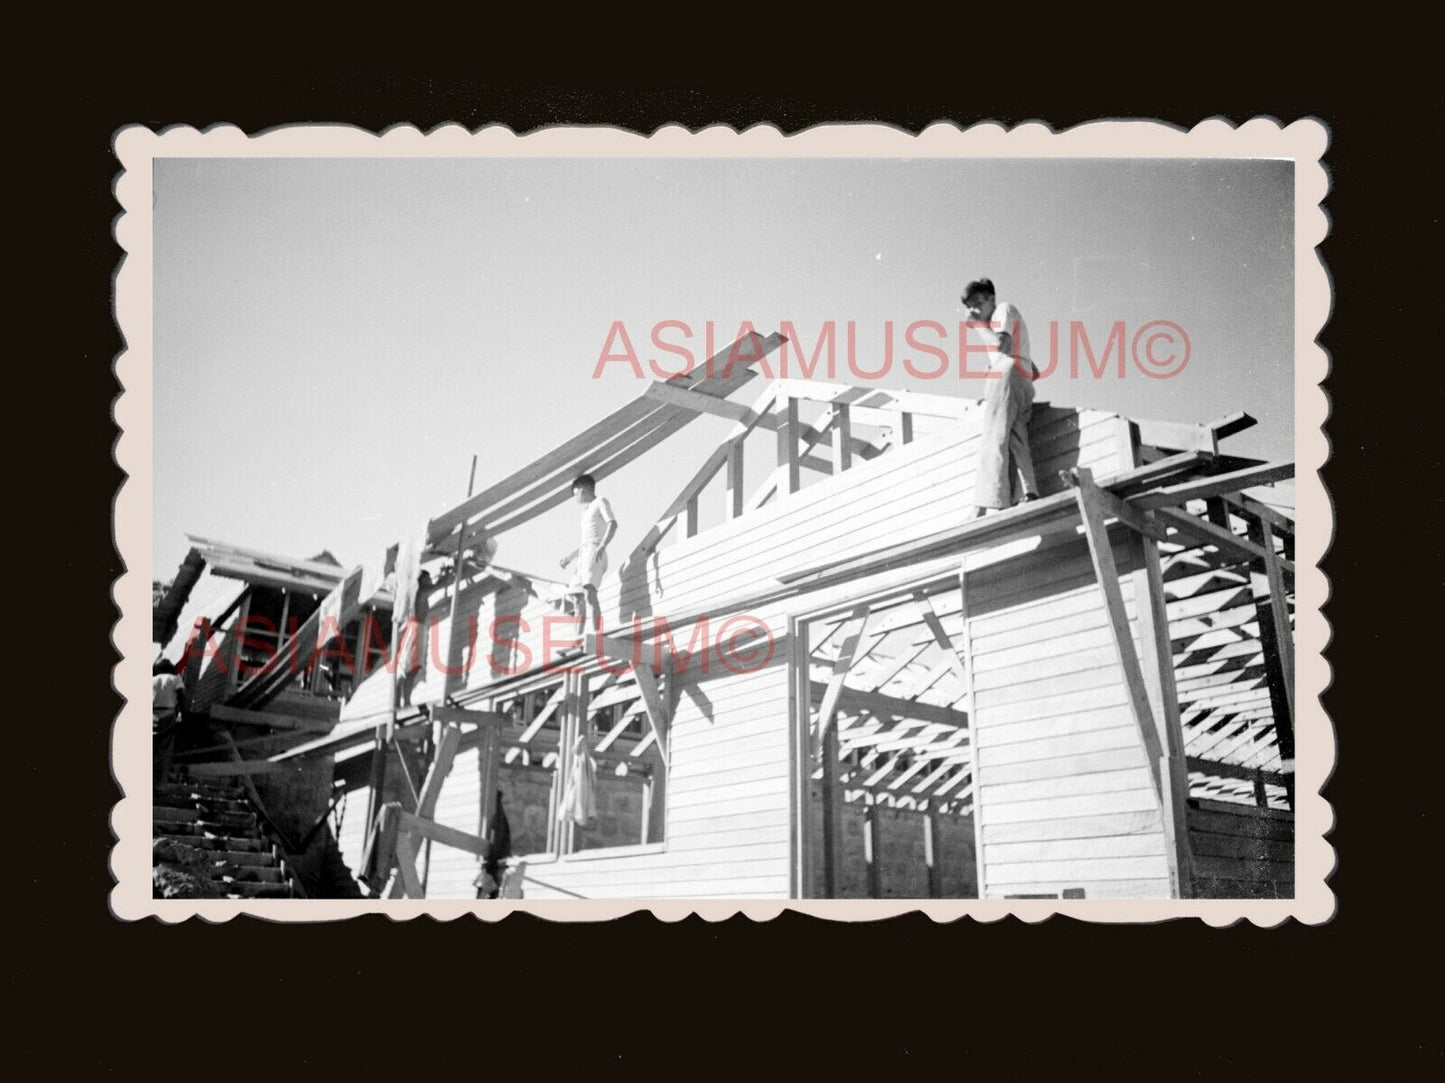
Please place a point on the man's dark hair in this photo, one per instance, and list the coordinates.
(165, 665)
(982, 286)
(584, 481)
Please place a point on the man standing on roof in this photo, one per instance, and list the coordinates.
(1004, 457)
(598, 527)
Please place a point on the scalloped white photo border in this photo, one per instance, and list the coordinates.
(1303, 141)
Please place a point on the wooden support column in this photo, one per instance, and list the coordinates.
(657, 704)
(1151, 610)
(566, 735)
(735, 492)
(1276, 637)
(905, 427)
(690, 519)
(870, 846)
(378, 785)
(406, 884)
(574, 729)
(930, 853)
(788, 433)
(238, 633)
(966, 651)
(832, 813)
(1158, 667)
(490, 768)
(828, 745)
(842, 438)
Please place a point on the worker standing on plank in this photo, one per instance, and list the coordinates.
(599, 524)
(1004, 457)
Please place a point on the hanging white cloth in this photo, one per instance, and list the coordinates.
(579, 799)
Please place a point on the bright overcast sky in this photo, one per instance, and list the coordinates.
(335, 339)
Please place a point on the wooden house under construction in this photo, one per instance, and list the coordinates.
(840, 686)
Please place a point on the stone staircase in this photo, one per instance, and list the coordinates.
(209, 843)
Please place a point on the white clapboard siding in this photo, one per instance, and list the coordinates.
(1064, 791)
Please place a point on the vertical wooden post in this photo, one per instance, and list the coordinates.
(832, 813)
(238, 633)
(375, 796)
(842, 438)
(657, 702)
(580, 728)
(1152, 613)
(870, 845)
(281, 627)
(967, 653)
(491, 751)
(690, 518)
(930, 853)
(788, 462)
(905, 427)
(1271, 607)
(567, 736)
(735, 494)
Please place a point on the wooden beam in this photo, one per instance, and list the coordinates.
(242, 767)
(1217, 485)
(699, 480)
(834, 688)
(1208, 534)
(1177, 436)
(410, 887)
(935, 626)
(1152, 615)
(1229, 424)
(447, 836)
(788, 442)
(1239, 771)
(842, 439)
(656, 708)
(701, 403)
(736, 493)
(1276, 638)
(876, 703)
(553, 703)
(447, 714)
(562, 458)
(441, 767)
(930, 853)
(1101, 552)
(220, 712)
(870, 847)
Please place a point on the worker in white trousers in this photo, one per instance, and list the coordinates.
(1005, 462)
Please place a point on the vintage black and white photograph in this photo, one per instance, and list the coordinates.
(912, 522)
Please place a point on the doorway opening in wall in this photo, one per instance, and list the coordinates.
(886, 787)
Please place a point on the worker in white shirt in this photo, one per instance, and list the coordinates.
(167, 695)
(1005, 461)
(598, 526)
